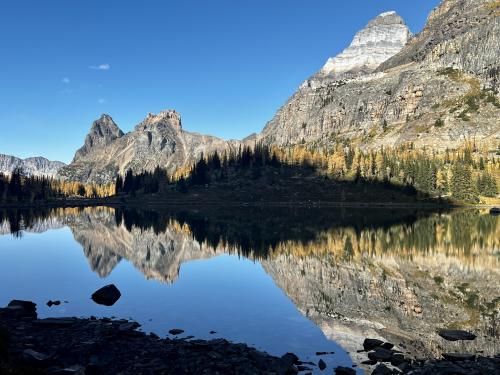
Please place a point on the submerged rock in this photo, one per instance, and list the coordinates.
(107, 295)
(176, 331)
(321, 364)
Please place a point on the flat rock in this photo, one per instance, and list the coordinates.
(456, 335)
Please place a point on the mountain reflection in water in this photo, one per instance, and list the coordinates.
(395, 274)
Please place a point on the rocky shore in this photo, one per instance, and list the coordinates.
(29, 345)
(93, 346)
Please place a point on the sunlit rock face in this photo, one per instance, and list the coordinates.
(158, 141)
(435, 76)
(381, 39)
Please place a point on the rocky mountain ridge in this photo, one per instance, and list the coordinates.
(159, 140)
(382, 38)
(439, 90)
(33, 166)
(436, 89)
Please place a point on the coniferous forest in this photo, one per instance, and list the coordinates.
(18, 187)
(466, 175)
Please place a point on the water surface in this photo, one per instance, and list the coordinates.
(282, 280)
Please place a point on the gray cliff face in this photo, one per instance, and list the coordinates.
(448, 72)
(103, 132)
(34, 166)
(464, 34)
(158, 140)
(382, 38)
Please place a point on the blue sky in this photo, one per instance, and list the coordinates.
(225, 65)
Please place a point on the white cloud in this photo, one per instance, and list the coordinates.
(101, 67)
(65, 80)
(101, 101)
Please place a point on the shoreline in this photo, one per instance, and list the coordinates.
(93, 346)
(162, 203)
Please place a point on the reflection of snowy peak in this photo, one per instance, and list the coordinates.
(382, 38)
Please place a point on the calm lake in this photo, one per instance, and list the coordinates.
(281, 280)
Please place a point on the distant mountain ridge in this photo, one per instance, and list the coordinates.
(158, 140)
(33, 166)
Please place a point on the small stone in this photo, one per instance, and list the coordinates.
(107, 295)
(370, 344)
(321, 364)
(456, 335)
(344, 371)
(53, 303)
(176, 331)
(212, 332)
(370, 362)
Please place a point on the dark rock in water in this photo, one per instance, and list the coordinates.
(176, 331)
(387, 345)
(370, 362)
(381, 355)
(324, 353)
(53, 303)
(321, 364)
(382, 370)
(22, 308)
(212, 332)
(370, 344)
(107, 295)
(344, 371)
(455, 357)
(456, 334)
